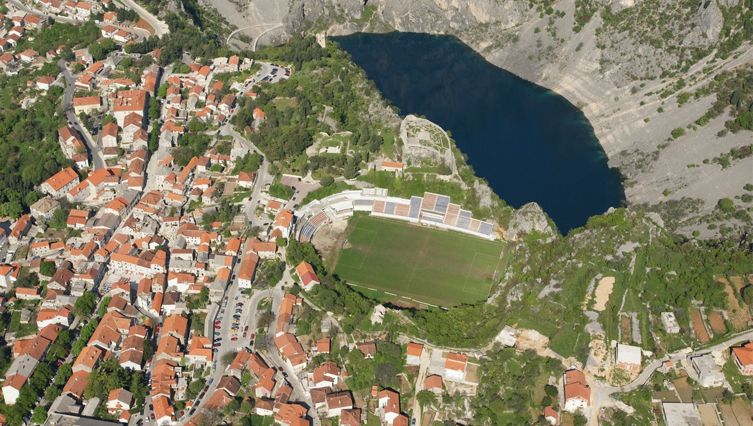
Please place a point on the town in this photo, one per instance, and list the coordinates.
(167, 274)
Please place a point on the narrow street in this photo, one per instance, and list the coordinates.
(95, 152)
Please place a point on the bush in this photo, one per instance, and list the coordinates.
(678, 132)
(726, 205)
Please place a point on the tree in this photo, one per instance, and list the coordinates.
(59, 219)
(326, 180)
(426, 398)
(47, 268)
(747, 294)
(84, 306)
(39, 416)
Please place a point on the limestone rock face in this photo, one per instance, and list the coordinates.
(528, 219)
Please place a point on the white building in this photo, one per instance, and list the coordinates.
(670, 323)
(709, 373)
(628, 357)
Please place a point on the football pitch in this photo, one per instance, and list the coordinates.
(432, 266)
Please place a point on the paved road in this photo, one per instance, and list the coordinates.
(95, 152)
(160, 27)
(601, 394)
(266, 28)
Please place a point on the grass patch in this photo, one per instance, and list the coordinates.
(437, 267)
(326, 191)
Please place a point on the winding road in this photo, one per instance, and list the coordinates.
(256, 39)
(160, 27)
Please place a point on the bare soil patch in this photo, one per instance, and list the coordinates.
(716, 320)
(626, 329)
(739, 314)
(329, 239)
(141, 23)
(684, 389)
(602, 293)
(708, 415)
(699, 329)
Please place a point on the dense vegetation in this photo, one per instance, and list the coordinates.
(29, 151)
(502, 400)
(326, 92)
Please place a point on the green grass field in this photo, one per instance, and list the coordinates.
(437, 267)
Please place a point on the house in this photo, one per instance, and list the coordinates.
(199, 351)
(291, 415)
(76, 385)
(247, 270)
(44, 208)
(60, 183)
(164, 413)
(282, 224)
(306, 275)
(669, 321)
(350, 417)
(246, 179)
(47, 316)
(392, 166)
(129, 102)
(389, 404)
(28, 293)
(326, 375)
(577, 391)
(628, 358)
(19, 229)
(119, 400)
(8, 276)
(337, 402)
(12, 388)
(413, 353)
(454, 366)
(88, 358)
(86, 104)
(682, 414)
(743, 357)
(709, 373)
(109, 135)
(551, 416)
(44, 82)
(367, 349)
(265, 249)
(434, 383)
(176, 326)
(28, 56)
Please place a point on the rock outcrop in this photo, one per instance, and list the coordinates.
(529, 219)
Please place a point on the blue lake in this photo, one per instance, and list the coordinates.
(529, 143)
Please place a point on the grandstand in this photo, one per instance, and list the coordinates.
(434, 210)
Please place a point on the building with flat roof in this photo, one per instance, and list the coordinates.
(681, 414)
(709, 373)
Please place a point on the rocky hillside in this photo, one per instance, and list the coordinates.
(646, 73)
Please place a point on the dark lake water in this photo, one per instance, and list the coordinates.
(528, 142)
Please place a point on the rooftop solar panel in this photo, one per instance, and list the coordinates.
(402, 209)
(415, 206)
(442, 202)
(390, 208)
(430, 200)
(485, 228)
